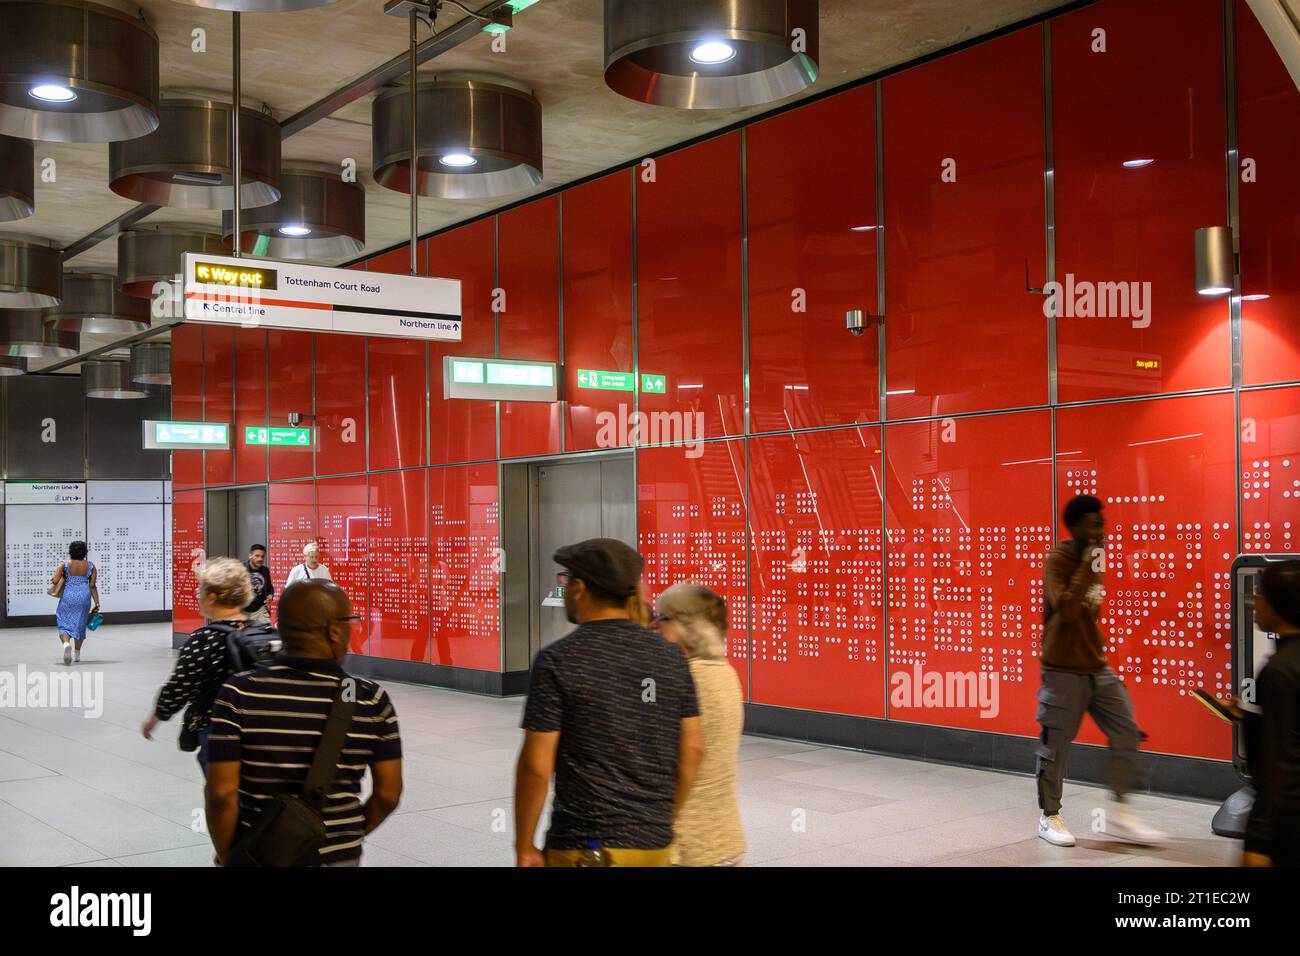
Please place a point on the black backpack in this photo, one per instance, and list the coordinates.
(250, 647)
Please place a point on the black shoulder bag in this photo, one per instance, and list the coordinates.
(290, 830)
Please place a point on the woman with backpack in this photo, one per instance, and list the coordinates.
(73, 584)
(204, 661)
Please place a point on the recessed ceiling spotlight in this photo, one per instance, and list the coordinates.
(861, 228)
(458, 160)
(711, 52)
(1255, 297)
(295, 232)
(52, 93)
(1137, 163)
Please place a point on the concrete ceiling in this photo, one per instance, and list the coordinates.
(291, 60)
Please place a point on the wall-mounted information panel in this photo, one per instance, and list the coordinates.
(498, 379)
(124, 524)
(261, 293)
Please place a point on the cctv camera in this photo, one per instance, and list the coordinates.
(856, 321)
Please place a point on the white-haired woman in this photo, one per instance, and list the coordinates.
(707, 831)
(203, 664)
(310, 569)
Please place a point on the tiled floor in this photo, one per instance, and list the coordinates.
(78, 791)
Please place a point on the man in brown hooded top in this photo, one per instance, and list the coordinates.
(1077, 680)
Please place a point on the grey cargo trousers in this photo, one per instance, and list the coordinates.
(1062, 701)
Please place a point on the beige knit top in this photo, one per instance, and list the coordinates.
(708, 829)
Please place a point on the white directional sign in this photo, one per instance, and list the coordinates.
(287, 295)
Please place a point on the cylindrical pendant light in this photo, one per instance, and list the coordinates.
(477, 138)
(25, 333)
(151, 253)
(12, 365)
(151, 363)
(710, 54)
(186, 162)
(31, 273)
(92, 304)
(109, 378)
(76, 72)
(1214, 260)
(259, 6)
(318, 216)
(17, 179)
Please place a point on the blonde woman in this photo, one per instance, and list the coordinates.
(311, 568)
(203, 663)
(707, 831)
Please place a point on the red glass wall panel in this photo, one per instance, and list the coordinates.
(529, 254)
(187, 399)
(816, 573)
(1156, 93)
(399, 565)
(812, 257)
(289, 386)
(396, 379)
(964, 210)
(464, 566)
(250, 404)
(219, 400)
(464, 429)
(970, 521)
(691, 527)
(340, 404)
(688, 286)
(597, 307)
(342, 528)
(1165, 470)
(1268, 138)
(188, 552)
(1270, 471)
(291, 523)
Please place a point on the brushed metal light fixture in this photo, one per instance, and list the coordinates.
(72, 71)
(259, 6)
(17, 179)
(109, 378)
(31, 273)
(318, 216)
(151, 363)
(710, 54)
(92, 304)
(477, 137)
(151, 253)
(185, 163)
(24, 333)
(1215, 261)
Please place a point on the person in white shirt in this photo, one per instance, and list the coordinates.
(311, 568)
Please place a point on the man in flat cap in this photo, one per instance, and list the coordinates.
(612, 714)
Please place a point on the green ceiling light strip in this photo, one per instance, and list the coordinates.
(514, 6)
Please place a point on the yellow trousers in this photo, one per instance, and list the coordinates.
(618, 856)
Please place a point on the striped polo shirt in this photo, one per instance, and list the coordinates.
(271, 721)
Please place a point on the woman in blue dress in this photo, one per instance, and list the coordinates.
(79, 600)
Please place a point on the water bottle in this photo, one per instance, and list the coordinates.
(593, 854)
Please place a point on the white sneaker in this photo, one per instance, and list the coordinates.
(1054, 831)
(67, 652)
(1123, 826)
(76, 656)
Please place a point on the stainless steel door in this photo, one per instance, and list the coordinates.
(575, 501)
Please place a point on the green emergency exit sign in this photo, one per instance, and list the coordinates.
(253, 435)
(606, 381)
